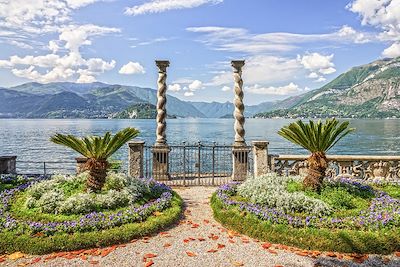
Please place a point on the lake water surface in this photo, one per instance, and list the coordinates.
(29, 138)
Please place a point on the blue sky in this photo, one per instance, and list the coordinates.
(289, 46)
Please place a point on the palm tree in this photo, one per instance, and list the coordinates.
(97, 150)
(318, 138)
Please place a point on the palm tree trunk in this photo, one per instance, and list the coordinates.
(317, 164)
(97, 174)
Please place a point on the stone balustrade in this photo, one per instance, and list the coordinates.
(382, 168)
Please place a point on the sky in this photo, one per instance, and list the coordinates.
(289, 46)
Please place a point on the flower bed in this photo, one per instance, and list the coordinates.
(84, 230)
(374, 228)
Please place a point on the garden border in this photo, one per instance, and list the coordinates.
(348, 241)
(10, 241)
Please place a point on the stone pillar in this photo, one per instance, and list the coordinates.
(240, 163)
(238, 114)
(161, 149)
(240, 151)
(260, 154)
(80, 164)
(8, 165)
(135, 158)
(161, 102)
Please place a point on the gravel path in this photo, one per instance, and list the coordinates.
(199, 240)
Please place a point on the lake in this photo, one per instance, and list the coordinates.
(29, 138)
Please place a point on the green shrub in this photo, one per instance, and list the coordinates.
(65, 194)
(12, 241)
(271, 190)
(384, 241)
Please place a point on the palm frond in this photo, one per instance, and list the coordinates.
(316, 136)
(96, 147)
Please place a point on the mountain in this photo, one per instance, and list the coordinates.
(100, 100)
(225, 110)
(367, 91)
(54, 88)
(70, 100)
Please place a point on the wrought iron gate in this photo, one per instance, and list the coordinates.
(197, 164)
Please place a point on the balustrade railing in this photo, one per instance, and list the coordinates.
(357, 166)
(212, 164)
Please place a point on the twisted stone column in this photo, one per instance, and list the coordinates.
(238, 114)
(161, 149)
(240, 151)
(161, 102)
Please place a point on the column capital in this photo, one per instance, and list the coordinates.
(136, 143)
(162, 65)
(260, 144)
(237, 64)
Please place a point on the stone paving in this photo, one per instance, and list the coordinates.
(198, 240)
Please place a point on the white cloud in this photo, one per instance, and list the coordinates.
(65, 66)
(188, 93)
(24, 20)
(313, 75)
(320, 79)
(318, 64)
(195, 85)
(183, 80)
(76, 36)
(392, 51)
(316, 61)
(176, 87)
(132, 68)
(348, 33)
(20, 44)
(261, 69)
(189, 86)
(226, 88)
(38, 16)
(74, 4)
(154, 41)
(53, 46)
(158, 6)
(289, 89)
(241, 40)
(384, 15)
(327, 71)
(266, 69)
(84, 78)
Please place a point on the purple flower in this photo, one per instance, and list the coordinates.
(88, 222)
(383, 211)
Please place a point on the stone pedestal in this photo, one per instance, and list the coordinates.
(8, 165)
(135, 158)
(260, 154)
(240, 162)
(161, 162)
(80, 164)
